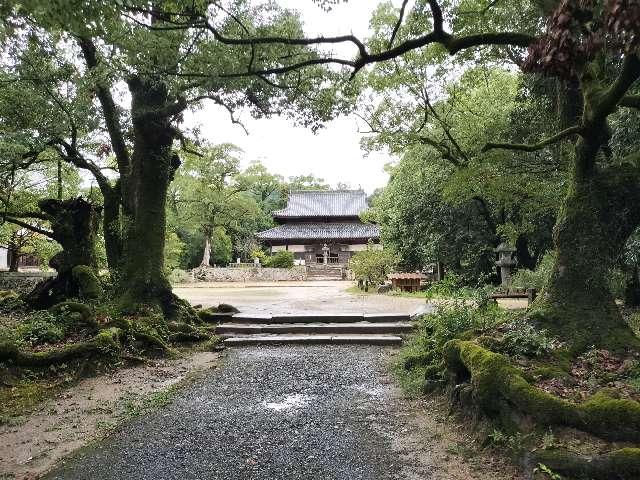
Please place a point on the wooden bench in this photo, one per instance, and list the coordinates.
(529, 293)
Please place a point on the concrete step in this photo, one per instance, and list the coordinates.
(309, 328)
(313, 340)
(318, 318)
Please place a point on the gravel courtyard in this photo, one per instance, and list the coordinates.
(296, 297)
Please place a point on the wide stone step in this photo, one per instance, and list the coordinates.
(313, 340)
(318, 318)
(309, 328)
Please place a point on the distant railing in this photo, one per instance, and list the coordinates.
(334, 260)
(244, 265)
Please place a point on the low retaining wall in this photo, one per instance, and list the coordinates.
(253, 274)
(22, 281)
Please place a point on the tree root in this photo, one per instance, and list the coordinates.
(623, 464)
(499, 389)
(106, 341)
(87, 316)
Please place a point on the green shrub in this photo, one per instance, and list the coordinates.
(282, 259)
(537, 278)
(178, 275)
(371, 266)
(424, 349)
(42, 327)
(522, 338)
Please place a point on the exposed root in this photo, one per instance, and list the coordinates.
(87, 316)
(106, 341)
(623, 464)
(499, 390)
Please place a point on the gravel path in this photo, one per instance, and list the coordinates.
(313, 412)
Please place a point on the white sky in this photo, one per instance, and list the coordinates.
(334, 152)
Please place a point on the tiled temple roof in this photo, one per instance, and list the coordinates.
(321, 231)
(315, 203)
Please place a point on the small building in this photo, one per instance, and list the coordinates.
(322, 227)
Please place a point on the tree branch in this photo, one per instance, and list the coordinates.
(575, 130)
(28, 226)
(221, 102)
(629, 73)
(109, 108)
(630, 101)
(398, 24)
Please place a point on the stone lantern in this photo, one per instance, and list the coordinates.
(325, 254)
(506, 261)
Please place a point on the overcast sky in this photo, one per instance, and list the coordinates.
(334, 152)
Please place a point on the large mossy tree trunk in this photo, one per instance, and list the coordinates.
(144, 192)
(597, 217)
(74, 225)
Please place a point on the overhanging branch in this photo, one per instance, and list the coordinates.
(575, 130)
(28, 226)
(630, 101)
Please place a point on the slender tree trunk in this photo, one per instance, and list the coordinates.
(597, 217)
(144, 190)
(206, 255)
(13, 252)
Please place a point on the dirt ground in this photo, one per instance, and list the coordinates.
(295, 297)
(88, 411)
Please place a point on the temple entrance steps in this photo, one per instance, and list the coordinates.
(312, 329)
(325, 272)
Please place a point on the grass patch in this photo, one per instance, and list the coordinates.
(21, 399)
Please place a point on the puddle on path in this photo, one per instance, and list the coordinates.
(289, 402)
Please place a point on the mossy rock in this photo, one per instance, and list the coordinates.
(212, 315)
(84, 312)
(226, 308)
(498, 384)
(88, 282)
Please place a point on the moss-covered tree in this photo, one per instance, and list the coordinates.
(75, 65)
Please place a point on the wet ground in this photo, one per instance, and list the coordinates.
(296, 297)
(279, 413)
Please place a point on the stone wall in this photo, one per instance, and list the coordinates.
(22, 282)
(253, 274)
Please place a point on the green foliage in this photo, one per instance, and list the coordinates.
(542, 468)
(523, 339)
(42, 327)
(372, 265)
(455, 319)
(524, 278)
(281, 259)
(211, 198)
(178, 275)
(173, 250)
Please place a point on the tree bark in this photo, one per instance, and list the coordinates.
(632, 288)
(74, 224)
(597, 217)
(206, 255)
(144, 193)
(13, 254)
